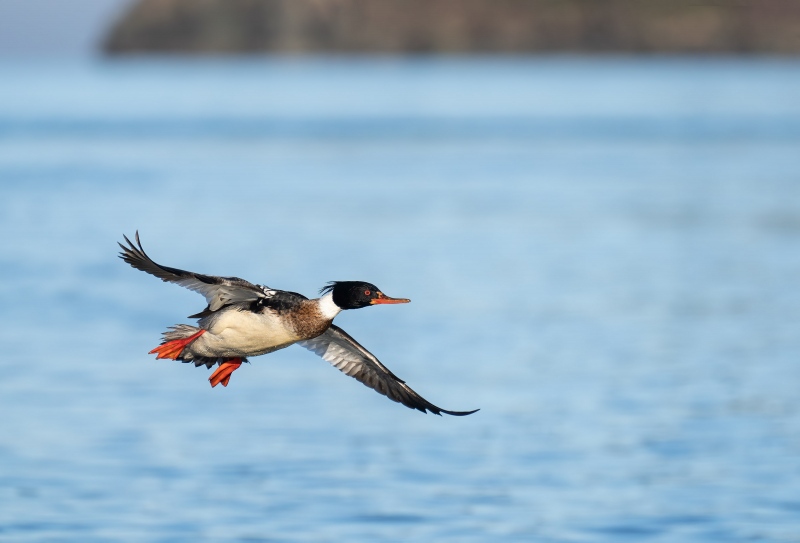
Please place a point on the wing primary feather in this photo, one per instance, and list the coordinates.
(218, 291)
(344, 353)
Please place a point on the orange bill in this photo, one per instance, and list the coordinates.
(384, 299)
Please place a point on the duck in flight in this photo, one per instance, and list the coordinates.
(243, 319)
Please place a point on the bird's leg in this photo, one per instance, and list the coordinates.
(222, 375)
(173, 349)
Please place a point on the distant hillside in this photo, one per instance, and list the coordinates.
(458, 26)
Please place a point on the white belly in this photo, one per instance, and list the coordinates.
(243, 333)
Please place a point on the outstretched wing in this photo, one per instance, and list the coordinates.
(343, 352)
(218, 291)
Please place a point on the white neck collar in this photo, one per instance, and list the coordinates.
(327, 306)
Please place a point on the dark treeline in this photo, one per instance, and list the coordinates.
(458, 26)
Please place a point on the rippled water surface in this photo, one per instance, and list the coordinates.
(604, 256)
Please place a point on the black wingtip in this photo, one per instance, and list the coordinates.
(125, 250)
(459, 413)
(128, 241)
(132, 248)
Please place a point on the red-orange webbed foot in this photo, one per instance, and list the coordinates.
(173, 349)
(222, 375)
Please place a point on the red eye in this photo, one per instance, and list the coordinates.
(367, 292)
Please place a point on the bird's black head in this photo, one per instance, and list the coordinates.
(356, 294)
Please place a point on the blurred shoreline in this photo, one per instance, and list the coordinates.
(457, 26)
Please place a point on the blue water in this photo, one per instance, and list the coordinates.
(602, 255)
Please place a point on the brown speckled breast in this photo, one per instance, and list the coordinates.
(307, 320)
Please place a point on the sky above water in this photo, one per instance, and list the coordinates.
(55, 27)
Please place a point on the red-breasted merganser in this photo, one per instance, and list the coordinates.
(243, 319)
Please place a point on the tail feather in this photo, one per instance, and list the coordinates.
(179, 331)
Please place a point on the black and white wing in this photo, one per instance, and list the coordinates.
(218, 291)
(344, 353)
